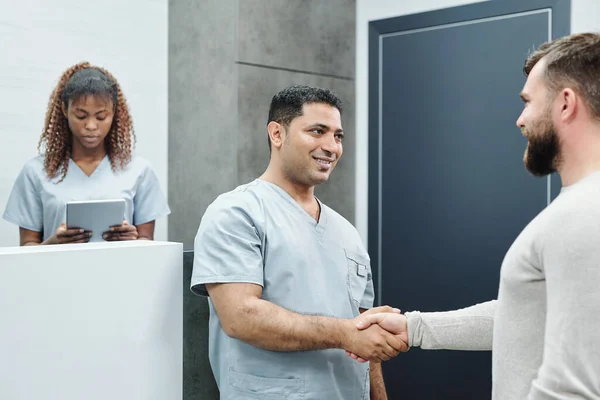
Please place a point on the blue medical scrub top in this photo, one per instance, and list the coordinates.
(258, 234)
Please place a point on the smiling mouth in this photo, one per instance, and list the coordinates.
(323, 162)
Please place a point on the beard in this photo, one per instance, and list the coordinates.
(542, 156)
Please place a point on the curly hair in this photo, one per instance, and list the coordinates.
(57, 141)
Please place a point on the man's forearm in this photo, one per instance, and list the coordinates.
(469, 328)
(378, 391)
(271, 327)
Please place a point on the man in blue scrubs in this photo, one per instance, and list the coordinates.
(287, 276)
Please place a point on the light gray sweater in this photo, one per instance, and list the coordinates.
(544, 328)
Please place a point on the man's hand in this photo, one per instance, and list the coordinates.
(377, 310)
(373, 342)
(393, 323)
(122, 232)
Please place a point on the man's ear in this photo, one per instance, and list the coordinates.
(276, 133)
(569, 102)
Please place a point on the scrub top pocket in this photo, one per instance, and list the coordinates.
(246, 387)
(358, 277)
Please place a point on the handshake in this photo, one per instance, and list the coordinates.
(378, 334)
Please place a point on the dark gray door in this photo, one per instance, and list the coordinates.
(448, 192)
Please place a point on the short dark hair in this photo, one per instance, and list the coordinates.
(573, 61)
(288, 103)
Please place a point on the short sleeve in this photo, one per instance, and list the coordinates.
(149, 203)
(24, 207)
(227, 247)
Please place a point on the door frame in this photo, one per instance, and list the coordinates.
(559, 12)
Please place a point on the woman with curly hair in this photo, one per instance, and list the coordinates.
(85, 154)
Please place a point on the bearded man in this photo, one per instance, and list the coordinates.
(543, 328)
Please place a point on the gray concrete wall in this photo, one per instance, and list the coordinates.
(202, 109)
(227, 58)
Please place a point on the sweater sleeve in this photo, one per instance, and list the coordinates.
(469, 328)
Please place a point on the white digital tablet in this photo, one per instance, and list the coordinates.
(96, 216)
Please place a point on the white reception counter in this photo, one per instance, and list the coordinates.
(91, 321)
